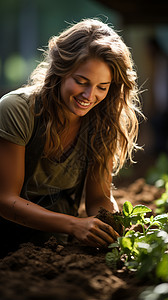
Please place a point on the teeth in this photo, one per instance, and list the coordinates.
(82, 103)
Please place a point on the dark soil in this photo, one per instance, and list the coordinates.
(74, 271)
(110, 219)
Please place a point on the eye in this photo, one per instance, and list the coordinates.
(79, 82)
(102, 88)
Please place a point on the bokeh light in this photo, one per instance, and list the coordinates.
(15, 68)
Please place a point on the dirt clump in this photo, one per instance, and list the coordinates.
(110, 219)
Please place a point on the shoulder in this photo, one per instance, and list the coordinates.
(16, 104)
(16, 116)
(17, 97)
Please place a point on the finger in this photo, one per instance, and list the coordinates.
(110, 230)
(97, 240)
(106, 236)
(102, 235)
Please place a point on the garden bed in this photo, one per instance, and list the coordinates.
(74, 271)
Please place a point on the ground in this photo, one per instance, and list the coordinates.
(75, 271)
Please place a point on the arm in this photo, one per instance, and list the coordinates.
(17, 209)
(99, 194)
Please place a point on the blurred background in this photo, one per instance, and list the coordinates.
(26, 26)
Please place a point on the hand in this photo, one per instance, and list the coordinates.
(94, 232)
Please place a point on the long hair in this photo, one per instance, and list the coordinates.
(115, 119)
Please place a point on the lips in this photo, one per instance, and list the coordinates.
(82, 103)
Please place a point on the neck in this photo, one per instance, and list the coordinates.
(73, 119)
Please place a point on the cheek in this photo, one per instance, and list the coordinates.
(102, 97)
(74, 89)
(69, 89)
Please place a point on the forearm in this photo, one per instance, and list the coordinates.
(26, 213)
(99, 191)
(92, 207)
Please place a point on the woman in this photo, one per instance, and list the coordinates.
(74, 122)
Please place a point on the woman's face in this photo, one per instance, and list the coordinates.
(87, 86)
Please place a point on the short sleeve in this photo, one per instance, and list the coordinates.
(16, 118)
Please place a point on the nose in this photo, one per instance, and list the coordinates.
(89, 93)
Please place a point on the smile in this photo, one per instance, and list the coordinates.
(82, 103)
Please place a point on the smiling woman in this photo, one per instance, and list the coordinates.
(87, 86)
(75, 122)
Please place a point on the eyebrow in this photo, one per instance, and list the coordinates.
(89, 80)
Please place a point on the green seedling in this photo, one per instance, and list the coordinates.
(144, 252)
(130, 215)
(133, 215)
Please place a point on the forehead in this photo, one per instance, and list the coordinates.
(94, 68)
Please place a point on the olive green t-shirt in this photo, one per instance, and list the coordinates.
(49, 177)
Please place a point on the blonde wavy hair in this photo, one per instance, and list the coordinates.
(115, 119)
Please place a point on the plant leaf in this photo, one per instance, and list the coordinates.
(162, 268)
(126, 243)
(161, 218)
(140, 209)
(114, 245)
(127, 208)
